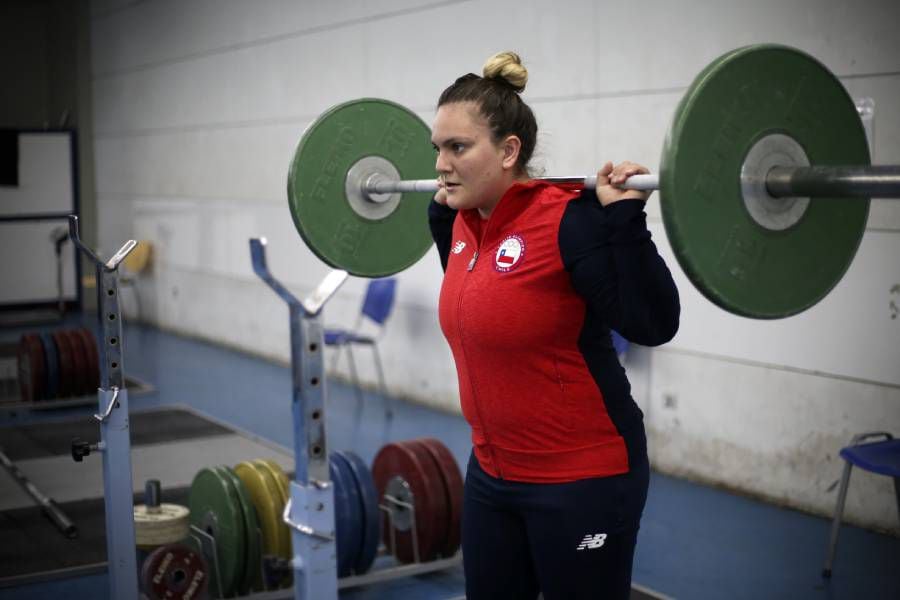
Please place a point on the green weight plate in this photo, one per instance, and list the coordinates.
(216, 509)
(743, 96)
(252, 578)
(364, 243)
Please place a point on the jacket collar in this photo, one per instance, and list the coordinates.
(517, 197)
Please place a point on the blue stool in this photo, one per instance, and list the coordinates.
(878, 457)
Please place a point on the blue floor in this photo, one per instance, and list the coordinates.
(695, 541)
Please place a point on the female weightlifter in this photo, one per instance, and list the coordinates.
(536, 275)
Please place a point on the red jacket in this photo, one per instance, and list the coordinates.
(523, 335)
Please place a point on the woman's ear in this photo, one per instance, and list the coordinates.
(511, 147)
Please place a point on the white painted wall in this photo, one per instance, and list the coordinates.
(28, 265)
(199, 105)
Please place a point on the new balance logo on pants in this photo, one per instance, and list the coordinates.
(592, 542)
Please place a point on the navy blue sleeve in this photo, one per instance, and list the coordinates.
(616, 268)
(440, 220)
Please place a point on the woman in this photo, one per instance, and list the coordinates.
(536, 275)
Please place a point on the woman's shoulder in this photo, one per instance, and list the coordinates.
(557, 193)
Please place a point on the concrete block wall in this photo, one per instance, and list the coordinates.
(198, 107)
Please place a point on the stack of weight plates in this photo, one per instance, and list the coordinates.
(221, 507)
(59, 364)
(241, 509)
(160, 525)
(421, 474)
(356, 513)
(267, 485)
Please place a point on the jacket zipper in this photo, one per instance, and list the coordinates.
(469, 269)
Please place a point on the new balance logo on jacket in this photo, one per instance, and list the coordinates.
(592, 542)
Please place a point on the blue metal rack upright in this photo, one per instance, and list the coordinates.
(115, 437)
(310, 510)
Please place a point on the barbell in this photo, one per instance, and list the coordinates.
(760, 133)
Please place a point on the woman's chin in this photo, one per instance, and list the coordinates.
(455, 202)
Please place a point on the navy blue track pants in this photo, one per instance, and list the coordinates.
(568, 540)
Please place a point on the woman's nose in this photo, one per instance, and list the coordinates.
(440, 163)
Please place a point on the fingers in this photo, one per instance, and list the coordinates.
(603, 173)
(622, 171)
(441, 195)
(611, 177)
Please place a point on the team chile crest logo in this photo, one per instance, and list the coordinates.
(510, 253)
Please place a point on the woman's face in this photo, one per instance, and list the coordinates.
(475, 170)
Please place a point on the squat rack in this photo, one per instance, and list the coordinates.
(310, 512)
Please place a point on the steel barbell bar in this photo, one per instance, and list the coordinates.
(876, 181)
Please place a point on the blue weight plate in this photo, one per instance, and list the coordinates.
(368, 497)
(51, 361)
(355, 517)
(344, 526)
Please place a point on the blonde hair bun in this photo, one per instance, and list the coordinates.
(507, 66)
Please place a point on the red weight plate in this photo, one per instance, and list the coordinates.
(398, 467)
(176, 572)
(438, 493)
(31, 367)
(66, 364)
(453, 480)
(79, 362)
(93, 357)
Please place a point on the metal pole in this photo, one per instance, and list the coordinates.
(881, 181)
(377, 184)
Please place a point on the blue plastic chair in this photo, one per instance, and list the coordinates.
(377, 306)
(878, 457)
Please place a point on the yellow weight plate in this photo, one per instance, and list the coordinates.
(266, 498)
(279, 477)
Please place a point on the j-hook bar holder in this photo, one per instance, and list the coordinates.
(310, 510)
(115, 438)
